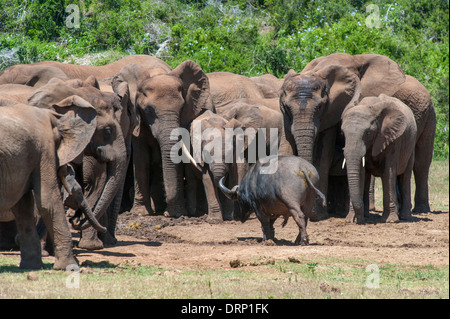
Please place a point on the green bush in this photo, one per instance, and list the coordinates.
(249, 37)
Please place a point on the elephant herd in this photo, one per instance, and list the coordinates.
(83, 143)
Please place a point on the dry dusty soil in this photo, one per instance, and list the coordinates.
(188, 242)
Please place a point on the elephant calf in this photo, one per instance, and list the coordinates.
(380, 134)
(289, 191)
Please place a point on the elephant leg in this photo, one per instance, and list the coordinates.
(368, 186)
(390, 201)
(422, 162)
(212, 197)
(372, 194)
(51, 209)
(404, 185)
(323, 157)
(28, 239)
(191, 190)
(142, 175)
(158, 203)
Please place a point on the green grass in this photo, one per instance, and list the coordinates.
(327, 278)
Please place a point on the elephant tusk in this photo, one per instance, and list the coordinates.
(188, 155)
(364, 161)
(343, 163)
(66, 186)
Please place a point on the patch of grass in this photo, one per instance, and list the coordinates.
(327, 278)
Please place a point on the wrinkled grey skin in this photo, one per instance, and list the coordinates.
(313, 101)
(145, 169)
(35, 142)
(208, 172)
(380, 134)
(104, 160)
(166, 102)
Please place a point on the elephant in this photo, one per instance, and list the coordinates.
(226, 87)
(290, 191)
(208, 131)
(166, 102)
(313, 101)
(102, 165)
(38, 74)
(34, 143)
(269, 85)
(145, 170)
(380, 133)
(16, 92)
(32, 75)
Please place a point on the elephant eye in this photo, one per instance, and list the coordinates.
(107, 132)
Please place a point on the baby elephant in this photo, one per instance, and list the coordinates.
(380, 135)
(286, 191)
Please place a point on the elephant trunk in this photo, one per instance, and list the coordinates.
(355, 175)
(115, 175)
(86, 210)
(172, 172)
(304, 135)
(218, 171)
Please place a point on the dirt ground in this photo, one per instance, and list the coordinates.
(193, 242)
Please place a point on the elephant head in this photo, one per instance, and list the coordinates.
(313, 101)
(107, 144)
(369, 128)
(166, 102)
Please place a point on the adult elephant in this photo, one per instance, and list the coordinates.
(381, 75)
(35, 142)
(144, 174)
(166, 102)
(104, 161)
(269, 85)
(16, 92)
(313, 101)
(38, 74)
(33, 75)
(226, 87)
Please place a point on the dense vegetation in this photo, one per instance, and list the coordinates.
(249, 37)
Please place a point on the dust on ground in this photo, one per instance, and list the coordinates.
(193, 242)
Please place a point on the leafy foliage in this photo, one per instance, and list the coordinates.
(249, 37)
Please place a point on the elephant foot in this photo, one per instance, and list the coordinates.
(141, 210)
(390, 218)
(62, 263)
(90, 244)
(421, 208)
(109, 240)
(31, 265)
(175, 212)
(214, 219)
(353, 218)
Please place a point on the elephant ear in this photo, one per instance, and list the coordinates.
(76, 121)
(379, 74)
(196, 90)
(344, 88)
(392, 124)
